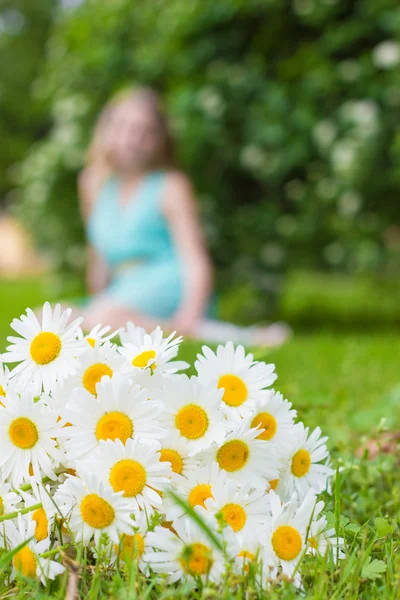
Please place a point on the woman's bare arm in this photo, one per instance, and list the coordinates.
(181, 211)
(97, 275)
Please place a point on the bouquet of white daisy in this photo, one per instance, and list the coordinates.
(113, 447)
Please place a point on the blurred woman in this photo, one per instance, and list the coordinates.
(148, 262)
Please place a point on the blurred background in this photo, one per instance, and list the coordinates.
(286, 115)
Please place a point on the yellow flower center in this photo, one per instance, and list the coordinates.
(196, 559)
(2, 392)
(91, 341)
(246, 555)
(114, 425)
(234, 515)
(128, 476)
(25, 562)
(286, 542)
(199, 494)
(192, 421)
(61, 524)
(313, 542)
(42, 524)
(173, 457)
(142, 359)
(45, 348)
(97, 512)
(266, 422)
(1, 506)
(235, 390)
(301, 462)
(23, 433)
(93, 375)
(132, 546)
(233, 455)
(273, 484)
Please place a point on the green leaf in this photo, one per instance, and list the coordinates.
(373, 569)
(352, 529)
(196, 518)
(383, 527)
(330, 516)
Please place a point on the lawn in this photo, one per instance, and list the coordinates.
(341, 371)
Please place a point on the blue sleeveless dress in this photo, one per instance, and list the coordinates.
(135, 242)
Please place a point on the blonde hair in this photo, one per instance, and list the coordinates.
(98, 154)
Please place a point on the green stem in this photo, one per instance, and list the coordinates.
(54, 551)
(20, 512)
(28, 486)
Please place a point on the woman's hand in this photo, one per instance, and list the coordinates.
(184, 322)
(97, 275)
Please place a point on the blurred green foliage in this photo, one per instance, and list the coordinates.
(24, 29)
(286, 115)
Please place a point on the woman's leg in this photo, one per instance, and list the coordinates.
(108, 312)
(220, 332)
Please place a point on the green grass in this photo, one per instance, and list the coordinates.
(336, 301)
(341, 371)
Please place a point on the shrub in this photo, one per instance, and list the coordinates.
(286, 116)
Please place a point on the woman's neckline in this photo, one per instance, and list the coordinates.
(133, 195)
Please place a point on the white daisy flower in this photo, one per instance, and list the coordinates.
(96, 509)
(27, 561)
(195, 489)
(133, 546)
(153, 383)
(28, 432)
(98, 335)
(120, 411)
(308, 466)
(48, 350)
(43, 516)
(174, 451)
(4, 380)
(133, 468)
(324, 541)
(152, 351)
(285, 542)
(9, 500)
(192, 411)
(244, 458)
(95, 363)
(239, 508)
(190, 554)
(275, 420)
(64, 499)
(250, 548)
(250, 554)
(241, 378)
